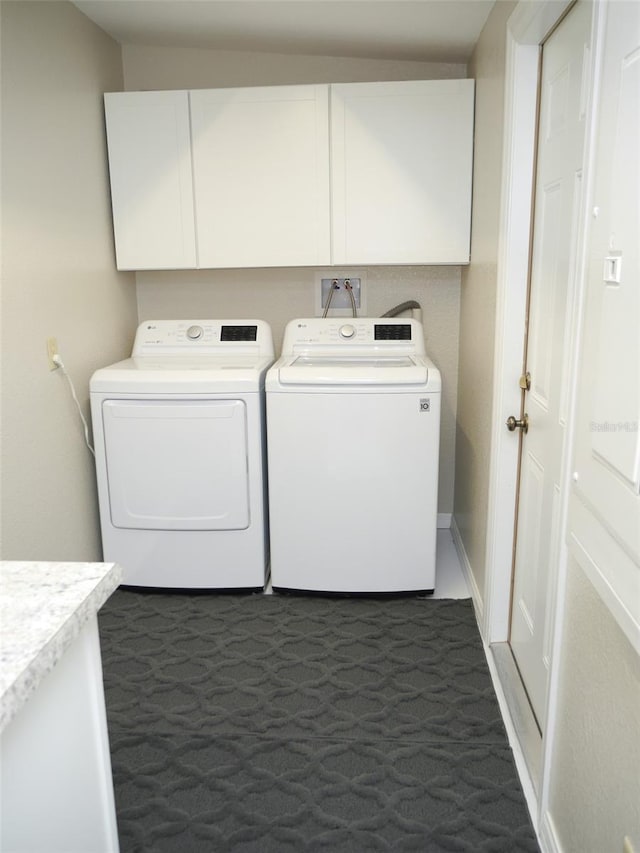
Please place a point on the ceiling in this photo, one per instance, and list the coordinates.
(423, 30)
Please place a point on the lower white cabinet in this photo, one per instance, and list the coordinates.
(56, 788)
(261, 176)
(401, 172)
(312, 175)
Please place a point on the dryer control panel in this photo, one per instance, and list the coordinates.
(204, 337)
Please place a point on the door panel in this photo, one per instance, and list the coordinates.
(616, 403)
(532, 504)
(557, 206)
(177, 465)
(546, 292)
(604, 507)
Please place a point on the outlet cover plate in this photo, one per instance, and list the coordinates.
(52, 349)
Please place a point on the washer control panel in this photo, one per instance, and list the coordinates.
(360, 334)
(206, 337)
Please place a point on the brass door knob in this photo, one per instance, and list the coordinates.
(515, 423)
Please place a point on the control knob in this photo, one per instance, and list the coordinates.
(194, 333)
(347, 331)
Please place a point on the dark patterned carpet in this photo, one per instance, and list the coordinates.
(273, 723)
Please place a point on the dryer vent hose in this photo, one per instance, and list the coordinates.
(411, 305)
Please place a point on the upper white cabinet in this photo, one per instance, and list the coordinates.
(362, 173)
(401, 168)
(151, 182)
(261, 176)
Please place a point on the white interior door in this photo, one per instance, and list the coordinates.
(557, 204)
(604, 506)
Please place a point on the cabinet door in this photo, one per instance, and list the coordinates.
(151, 180)
(261, 176)
(401, 160)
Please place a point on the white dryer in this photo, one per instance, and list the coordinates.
(180, 455)
(353, 425)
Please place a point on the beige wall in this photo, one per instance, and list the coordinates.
(279, 295)
(148, 67)
(478, 295)
(595, 790)
(58, 276)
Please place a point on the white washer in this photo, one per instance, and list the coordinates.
(353, 425)
(180, 455)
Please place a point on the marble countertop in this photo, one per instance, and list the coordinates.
(43, 608)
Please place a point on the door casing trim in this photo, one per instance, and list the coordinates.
(528, 27)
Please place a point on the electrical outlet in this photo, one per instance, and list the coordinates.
(52, 349)
(627, 845)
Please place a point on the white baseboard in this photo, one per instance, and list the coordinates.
(444, 520)
(478, 604)
(512, 735)
(548, 835)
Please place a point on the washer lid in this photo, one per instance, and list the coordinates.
(353, 370)
(182, 375)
